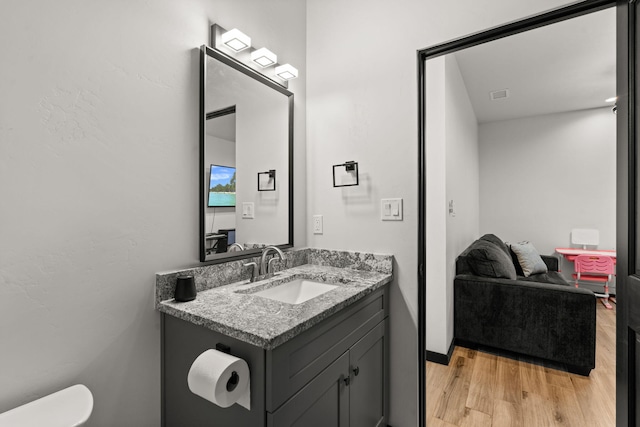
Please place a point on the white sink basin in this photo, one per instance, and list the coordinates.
(296, 291)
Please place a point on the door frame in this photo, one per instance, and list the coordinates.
(626, 217)
(624, 77)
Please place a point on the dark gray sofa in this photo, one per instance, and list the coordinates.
(540, 316)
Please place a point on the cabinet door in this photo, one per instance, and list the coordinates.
(323, 402)
(367, 389)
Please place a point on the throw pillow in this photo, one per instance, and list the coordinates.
(516, 263)
(496, 241)
(487, 259)
(529, 258)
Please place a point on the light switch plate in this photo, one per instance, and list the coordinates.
(247, 210)
(391, 209)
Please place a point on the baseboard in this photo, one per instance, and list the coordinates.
(442, 359)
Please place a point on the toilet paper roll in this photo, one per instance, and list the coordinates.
(220, 378)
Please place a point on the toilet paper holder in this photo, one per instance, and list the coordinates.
(223, 348)
(235, 379)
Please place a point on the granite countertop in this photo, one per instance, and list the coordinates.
(233, 310)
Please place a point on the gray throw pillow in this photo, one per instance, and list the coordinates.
(496, 241)
(528, 258)
(488, 260)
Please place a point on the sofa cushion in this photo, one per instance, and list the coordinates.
(548, 277)
(489, 260)
(528, 258)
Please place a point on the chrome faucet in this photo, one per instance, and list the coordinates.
(254, 271)
(267, 269)
(235, 247)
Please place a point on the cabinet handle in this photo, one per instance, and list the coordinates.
(356, 371)
(347, 381)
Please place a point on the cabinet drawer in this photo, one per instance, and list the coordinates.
(296, 362)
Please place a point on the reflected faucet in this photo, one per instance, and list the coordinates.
(235, 247)
(267, 269)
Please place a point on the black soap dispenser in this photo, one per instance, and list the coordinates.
(185, 288)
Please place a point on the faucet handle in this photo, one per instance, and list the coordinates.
(254, 270)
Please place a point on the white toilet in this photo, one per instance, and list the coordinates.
(70, 407)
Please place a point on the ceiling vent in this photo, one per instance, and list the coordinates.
(499, 94)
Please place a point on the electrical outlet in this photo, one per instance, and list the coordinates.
(317, 224)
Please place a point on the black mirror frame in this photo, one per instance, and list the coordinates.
(206, 51)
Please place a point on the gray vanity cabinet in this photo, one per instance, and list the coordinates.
(323, 402)
(333, 374)
(368, 384)
(350, 392)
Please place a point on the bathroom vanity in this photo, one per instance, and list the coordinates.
(320, 362)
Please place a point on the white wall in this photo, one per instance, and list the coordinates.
(437, 337)
(452, 148)
(542, 176)
(462, 181)
(99, 184)
(362, 106)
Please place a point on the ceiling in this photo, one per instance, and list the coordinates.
(566, 66)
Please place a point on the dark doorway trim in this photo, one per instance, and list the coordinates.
(626, 215)
(442, 359)
(526, 24)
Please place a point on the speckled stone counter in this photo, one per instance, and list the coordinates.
(226, 304)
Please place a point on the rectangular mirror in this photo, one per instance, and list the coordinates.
(246, 128)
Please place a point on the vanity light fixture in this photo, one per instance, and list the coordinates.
(237, 47)
(267, 180)
(264, 57)
(612, 99)
(286, 72)
(236, 40)
(346, 174)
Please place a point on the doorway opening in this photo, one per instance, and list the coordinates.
(501, 164)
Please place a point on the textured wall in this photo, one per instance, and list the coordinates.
(99, 184)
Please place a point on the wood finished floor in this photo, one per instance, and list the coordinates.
(481, 389)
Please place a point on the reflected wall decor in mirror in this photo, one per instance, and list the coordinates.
(246, 127)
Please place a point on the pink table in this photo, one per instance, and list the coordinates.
(571, 253)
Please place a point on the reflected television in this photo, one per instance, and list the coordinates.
(222, 186)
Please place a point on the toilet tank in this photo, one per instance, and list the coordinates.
(70, 407)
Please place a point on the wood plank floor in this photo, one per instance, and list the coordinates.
(485, 389)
